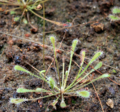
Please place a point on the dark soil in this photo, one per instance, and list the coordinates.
(18, 45)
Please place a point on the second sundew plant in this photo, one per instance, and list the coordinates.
(24, 7)
(115, 16)
(62, 89)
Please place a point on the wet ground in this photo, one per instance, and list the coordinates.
(89, 22)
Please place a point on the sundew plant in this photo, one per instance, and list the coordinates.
(115, 16)
(26, 7)
(62, 89)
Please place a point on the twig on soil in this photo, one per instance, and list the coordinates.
(114, 81)
(71, 26)
(36, 29)
(32, 66)
(97, 95)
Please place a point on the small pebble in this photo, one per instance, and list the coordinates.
(110, 103)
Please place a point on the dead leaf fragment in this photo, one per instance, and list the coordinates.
(98, 27)
(110, 103)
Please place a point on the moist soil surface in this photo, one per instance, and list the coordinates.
(86, 20)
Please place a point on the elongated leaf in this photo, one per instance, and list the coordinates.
(51, 82)
(63, 104)
(74, 43)
(52, 38)
(23, 90)
(104, 76)
(91, 61)
(82, 57)
(100, 77)
(19, 68)
(95, 68)
(17, 101)
(95, 57)
(40, 90)
(99, 65)
(84, 93)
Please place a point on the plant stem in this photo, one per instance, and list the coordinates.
(78, 75)
(43, 36)
(68, 72)
(43, 97)
(63, 72)
(57, 67)
(13, 9)
(54, 22)
(70, 86)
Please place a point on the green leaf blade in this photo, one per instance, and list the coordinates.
(74, 43)
(99, 65)
(104, 76)
(62, 104)
(40, 90)
(51, 82)
(83, 93)
(19, 68)
(95, 57)
(52, 39)
(82, 57)
(17, 101)
(23, 90)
